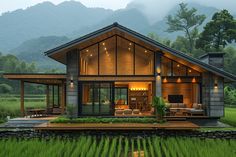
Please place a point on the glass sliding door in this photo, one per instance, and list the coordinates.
(105, 98)
(96, 98)
(87, 98)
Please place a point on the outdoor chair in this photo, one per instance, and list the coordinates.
(127, 112)
(29, 113)
(119, 112)
(136, 111)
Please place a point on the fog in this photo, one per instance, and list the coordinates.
(157, 9)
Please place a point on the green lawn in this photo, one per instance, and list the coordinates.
(119, 146)
(11, 106)
(230, 116)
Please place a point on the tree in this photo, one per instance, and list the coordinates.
(155, 37)
(5, 88)
(217, 33)
(187, 21)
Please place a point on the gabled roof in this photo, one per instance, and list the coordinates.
(213, 69)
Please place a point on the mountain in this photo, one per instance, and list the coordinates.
(32, 51)
(46, 19)
(131, 18)
(27, 33)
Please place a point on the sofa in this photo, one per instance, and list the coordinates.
(181, 109)
(197, 109)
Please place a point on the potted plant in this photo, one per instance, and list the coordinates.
(160, 107)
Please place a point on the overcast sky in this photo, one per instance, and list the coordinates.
(10, 5)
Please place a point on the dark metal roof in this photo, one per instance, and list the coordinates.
(215, 54)
(144, 38)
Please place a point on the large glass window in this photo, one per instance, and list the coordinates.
(125, 57)
(87, 98)
(173, 68)
(144, 61)
(107, 57)
(192, 72)
(166, 66)
(89, 61)
(96, 98)
(179, 69)
(105, 98)
(121, 95)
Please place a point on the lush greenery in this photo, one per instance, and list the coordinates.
(218, 33)
(10, 105)
(230, 96)
(160, 107)
(230, 116)
(92, 146)
(11, 64)
(188, 21)
(104, 120)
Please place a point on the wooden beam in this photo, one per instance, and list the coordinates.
(35, 76)
(116, 78)
(22, 106)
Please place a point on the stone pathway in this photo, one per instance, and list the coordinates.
(22, 123)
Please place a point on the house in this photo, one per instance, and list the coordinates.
(116, 71)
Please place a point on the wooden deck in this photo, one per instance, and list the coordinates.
(171, 125)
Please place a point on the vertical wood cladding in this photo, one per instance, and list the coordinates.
(72, 81)
(188, 90)
(213, 94)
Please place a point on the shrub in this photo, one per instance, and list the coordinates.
(103, 120)
(160, 107)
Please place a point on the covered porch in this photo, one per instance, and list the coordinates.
(55, 96)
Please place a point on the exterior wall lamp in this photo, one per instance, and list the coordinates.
(71, 83)
(215, 85)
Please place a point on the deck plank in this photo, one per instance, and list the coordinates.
(171, 125)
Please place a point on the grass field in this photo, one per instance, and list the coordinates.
(10, 105)
(230, 116)
(91, 146)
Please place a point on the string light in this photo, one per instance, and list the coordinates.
(138, 89)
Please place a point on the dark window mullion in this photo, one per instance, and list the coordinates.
(98, 58)
(116, 55)
(93, 90)
(133, 59)
(99, 95)
(53, 96)
(171, 66)
(58, 96)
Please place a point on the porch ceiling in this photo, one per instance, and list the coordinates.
(38, 78)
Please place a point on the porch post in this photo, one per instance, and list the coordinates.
(72, 82)
(158, 80)
(47, 96)
(22, 106)
(62, 98)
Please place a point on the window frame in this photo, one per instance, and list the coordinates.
(116, 60)
(127, 93)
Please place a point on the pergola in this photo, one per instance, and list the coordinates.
(43, 79)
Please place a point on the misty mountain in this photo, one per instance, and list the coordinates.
(32, 51)
(131, 18)
(21, 30)
(46, 19)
